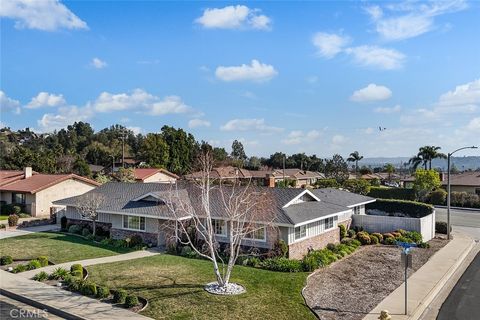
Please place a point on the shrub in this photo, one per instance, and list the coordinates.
(324, 256)
(364, 238)
(12, 220)
(253, 262)
(131, 301)
(75, 284)
(86, 232)
(441, 227)
(396, 234)
(392, 193)
(59, 273)
(135, 241)
(389, 241)
(423, 245)
(408, 208)
(41, 276)
(310, 263)
(331, 247)
(351, 233)
(119, 296)
(404, 239)
(374, 239)
(401, 231)
(378, 235)
(19, 268)
(43, 261)
(388, 235)
(343, 231)
(188, 252)
(282, 264)
(16, 210)
(75, 228)
(88, 288)
(34, 264)
(464, 199)
(351, 242)
(63, 223)
(4, 260)
(280, 248)
(438, 197)
(414, 236)
(103, 292)
(76, 267)
(360, 186)
(327, 183)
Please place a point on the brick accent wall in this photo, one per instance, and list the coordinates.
(298, 249)
(148, 238)
(84, 223)
(347, 223)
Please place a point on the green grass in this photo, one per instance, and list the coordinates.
(57, 247)
(3, 217)
(174, 287)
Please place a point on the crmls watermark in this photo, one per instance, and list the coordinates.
(28, 314)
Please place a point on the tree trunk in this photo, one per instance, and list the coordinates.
(93, 222)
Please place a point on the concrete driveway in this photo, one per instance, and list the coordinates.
(24, 231)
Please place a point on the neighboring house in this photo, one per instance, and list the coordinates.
(303, 219)
(154, 175)
(35, 192)
(96, 169)
(463, 182)
(301, 178)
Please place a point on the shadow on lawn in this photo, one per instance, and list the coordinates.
(76, 239)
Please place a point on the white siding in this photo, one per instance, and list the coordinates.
(72, 213)
(313, 229)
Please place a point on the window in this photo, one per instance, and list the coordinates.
(134, 223)
(356, 210)
(328, 223)
(258, 235)
(18, 198)
(219, 227)
(300, 232)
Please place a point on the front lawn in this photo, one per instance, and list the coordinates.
(3, 217)
(57, 247)
(174, 287)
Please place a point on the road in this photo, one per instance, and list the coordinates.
(466, 221)
(462, 303)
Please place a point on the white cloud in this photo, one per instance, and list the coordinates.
(369, 130)
(45, 99)
(135, 130)
(413, 20)
(97, 63)
(338, 139)
(8, 104)
(465, 95)
(372, 92)
(298, 137)
(65, 116)
(46, 15)
(256, 71)
(249, 125)
(374, 56)
(329, 44)
(387, 110)
(195, 123)
(169, 105)
(234, 17)
(474, 125)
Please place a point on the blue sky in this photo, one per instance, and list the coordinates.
(314, 77)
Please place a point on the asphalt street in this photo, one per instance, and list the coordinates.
(465, 221)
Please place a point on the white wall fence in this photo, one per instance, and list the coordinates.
(383, 224)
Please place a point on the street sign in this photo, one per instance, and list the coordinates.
(406, 259)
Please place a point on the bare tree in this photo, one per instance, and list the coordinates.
(244, 210)
(88, 206)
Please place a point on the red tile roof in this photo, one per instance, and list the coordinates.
(36, 182)
(144, 173)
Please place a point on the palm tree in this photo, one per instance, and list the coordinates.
(389, 168)
(417, 160)
(425, 156)
(355, 157)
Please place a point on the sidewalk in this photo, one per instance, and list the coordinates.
(60, 302)
(91, 262)
(425, 284)
(9, 233)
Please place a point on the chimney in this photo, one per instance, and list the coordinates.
(270, 179)
(27, 171)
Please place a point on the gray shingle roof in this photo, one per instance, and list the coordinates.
(302, 212)
(340, 197)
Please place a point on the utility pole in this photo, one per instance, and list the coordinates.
(284, 182)
(123, 147)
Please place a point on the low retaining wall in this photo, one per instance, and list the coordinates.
(383, 224)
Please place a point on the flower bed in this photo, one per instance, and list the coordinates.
(18, 265)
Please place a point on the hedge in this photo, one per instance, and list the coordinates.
(392, 193)
(411, 209)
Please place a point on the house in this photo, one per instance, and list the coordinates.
(463, 182)
(304, 219)
(36, 192)
(300, 178)
(154, 175)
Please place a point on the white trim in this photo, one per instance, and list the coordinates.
(139, 223)
(150, 194)
(245, 238)
(300, 195)
(321, 218)
(225, 227)
(299, 239)
(361, 203)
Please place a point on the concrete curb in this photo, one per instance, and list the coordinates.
(441, 283)
(459, 208)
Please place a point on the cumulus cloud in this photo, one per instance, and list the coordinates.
(249, 125)
(372, 92)
(45, 99)
(374, 56)
(387, 110)
(135, 130)
(329, 44)
(46, 15)
(65, 116)
(234, 17)
(298, 137)
(409, 19)
(338, 139)
(474, 125)
(8, 104)
(256, 71)
(195, 123)
(98, 63)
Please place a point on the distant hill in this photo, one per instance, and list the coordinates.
(461, 163)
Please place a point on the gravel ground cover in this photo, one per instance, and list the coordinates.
(351, 287)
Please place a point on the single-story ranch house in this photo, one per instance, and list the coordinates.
(303, 219)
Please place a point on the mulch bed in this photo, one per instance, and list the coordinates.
(352, 287)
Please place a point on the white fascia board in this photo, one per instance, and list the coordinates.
(361, 203)
(306, 191)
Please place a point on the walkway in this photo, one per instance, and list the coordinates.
(91, 262)
(424, 284)
(60, 302)
(23, 231)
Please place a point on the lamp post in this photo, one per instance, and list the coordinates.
(448, 186)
